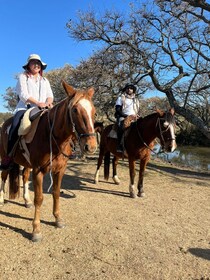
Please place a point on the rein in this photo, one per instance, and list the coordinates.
(51, 126)
(141, 138)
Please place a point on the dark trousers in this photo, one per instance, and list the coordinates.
(119, 132)
(13, 132)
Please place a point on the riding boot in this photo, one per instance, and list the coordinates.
(119, 140)
(13, 139)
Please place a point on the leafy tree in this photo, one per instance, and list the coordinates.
(10, 99)
(163, 42)
(55, 78)
(4, 117)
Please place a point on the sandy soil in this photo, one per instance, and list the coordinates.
(108, 235)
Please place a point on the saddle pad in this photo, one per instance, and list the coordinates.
(112, 134)
(30, 135)
(25, 123)
(28, 117)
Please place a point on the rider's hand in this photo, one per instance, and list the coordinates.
(41, 105)
(49, 105)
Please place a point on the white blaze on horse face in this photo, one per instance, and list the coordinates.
(88, 108)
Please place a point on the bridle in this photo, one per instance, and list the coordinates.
(168, 123)
(161, 131)
(75, 130)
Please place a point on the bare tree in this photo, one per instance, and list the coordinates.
(109, 71)
(165, 42)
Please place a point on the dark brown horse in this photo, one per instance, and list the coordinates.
(138, 145)
(50, 148)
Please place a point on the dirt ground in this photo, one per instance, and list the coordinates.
(108, 235)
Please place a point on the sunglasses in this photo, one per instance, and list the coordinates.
(34, 61)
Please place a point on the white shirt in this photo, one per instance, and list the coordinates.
(28, 86)
(130, 105)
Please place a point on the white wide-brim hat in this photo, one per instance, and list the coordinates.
(37, 57)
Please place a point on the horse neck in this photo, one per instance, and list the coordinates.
(147, 128)
(60, 123)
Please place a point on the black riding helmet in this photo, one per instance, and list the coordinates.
(129, 86)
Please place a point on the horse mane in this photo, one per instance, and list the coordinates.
(72, 100)
(150, 116)
(78, 96)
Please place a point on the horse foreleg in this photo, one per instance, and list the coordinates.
(38, 199)
(4, 175)
(114, 168)
(26, 195)
(57, 178)
(100, 160)
(143, 164)
(132, 172)
(2, 193)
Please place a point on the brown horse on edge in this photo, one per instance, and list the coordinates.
(138, 146)
(50, 148)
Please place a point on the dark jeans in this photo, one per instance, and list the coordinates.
(13, 132)
(119, 132)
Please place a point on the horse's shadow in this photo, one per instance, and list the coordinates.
(70, 184)
(179, 172)
(200, 252)
(25, 234)
(77, 181)
(86, 183)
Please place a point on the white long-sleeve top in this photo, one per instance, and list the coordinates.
(28, 86)
(130, 104)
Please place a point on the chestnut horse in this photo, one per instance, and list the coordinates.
(138, 144)
(50, 149)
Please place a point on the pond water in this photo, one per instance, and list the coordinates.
(197, 158)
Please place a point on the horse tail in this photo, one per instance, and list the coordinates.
(14, 181)
(106, 165)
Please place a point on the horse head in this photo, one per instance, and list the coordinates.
(166, 130)
(82, 114)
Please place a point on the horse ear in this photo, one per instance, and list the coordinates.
(161, 113)
(68, 89)
(91, 92)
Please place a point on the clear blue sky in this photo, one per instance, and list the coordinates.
(40, 27)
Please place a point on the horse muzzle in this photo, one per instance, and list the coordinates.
(170, 146)
(88, 143)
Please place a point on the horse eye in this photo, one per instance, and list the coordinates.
(74, 110)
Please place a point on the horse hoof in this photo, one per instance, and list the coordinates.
(60, 224)
(36, 237)
(29, 205)
(116, 180)
(141, 194)
(133, 195)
